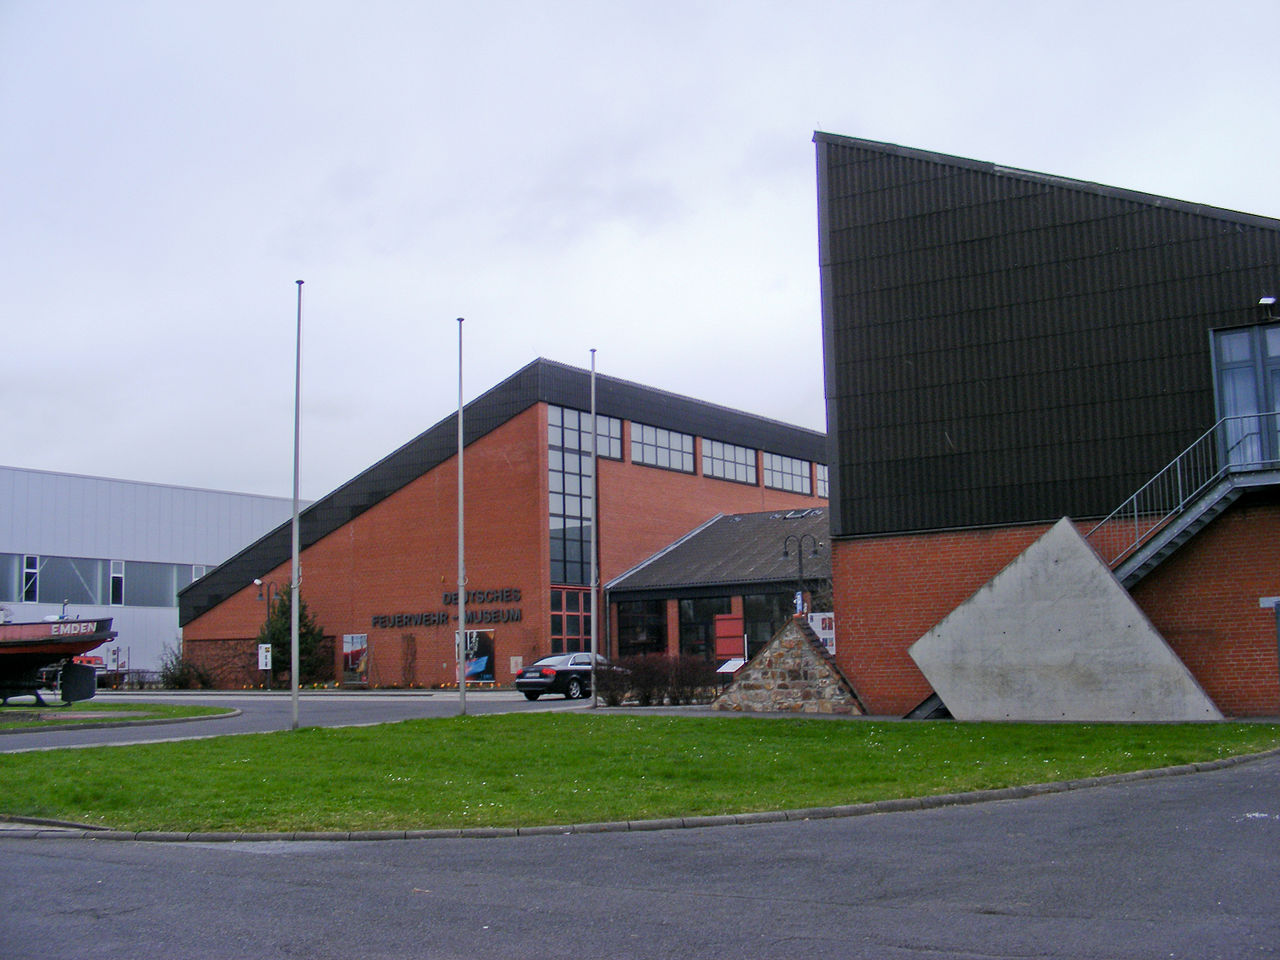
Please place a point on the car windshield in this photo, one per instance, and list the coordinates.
(551, 661)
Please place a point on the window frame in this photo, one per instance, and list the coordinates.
(651, 446)
(778, 468)
(720, 457)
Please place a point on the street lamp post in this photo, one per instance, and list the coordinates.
(813, 552)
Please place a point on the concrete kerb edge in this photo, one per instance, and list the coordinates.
(34, 829)
(231, 713)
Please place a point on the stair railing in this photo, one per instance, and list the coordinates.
(1232, 445)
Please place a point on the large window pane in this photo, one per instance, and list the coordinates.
(698, 625)
(571, 487)
(642, 627)
(151, 584)
(10, 577)
(763, 615)
(73, 580)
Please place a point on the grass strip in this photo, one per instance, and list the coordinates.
(546, 768)
(33, 717)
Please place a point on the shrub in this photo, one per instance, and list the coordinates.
(652, 680)
(648, 676)
(690, 680)
(179, 673)
(612, 685)
(315, 651)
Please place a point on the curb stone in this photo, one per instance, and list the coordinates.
(109, 724)
(20, 828)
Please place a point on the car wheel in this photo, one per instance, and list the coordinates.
(575, 689)
(530, 695)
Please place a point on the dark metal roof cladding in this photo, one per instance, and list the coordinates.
(1005, 346)
(734, 550)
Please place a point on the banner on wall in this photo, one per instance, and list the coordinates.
(480, 656)
(824, 625)
(355, 657)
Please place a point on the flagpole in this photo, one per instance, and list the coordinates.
(462, 565)
(595, 512)
(295, 601)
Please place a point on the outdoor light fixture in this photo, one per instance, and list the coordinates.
(813, 552)
(1267, 305)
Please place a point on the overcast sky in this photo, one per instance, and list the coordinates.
(636, 177)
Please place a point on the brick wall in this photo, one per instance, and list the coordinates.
(400, 556)
(643, 509)
(1204, 600)
(889, 591)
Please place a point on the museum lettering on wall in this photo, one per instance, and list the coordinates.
(480, 610)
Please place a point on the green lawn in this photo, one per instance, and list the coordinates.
(29, 716)
(545, 768)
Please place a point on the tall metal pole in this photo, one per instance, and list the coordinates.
(595, 511)
(295, 601)
(462, 564)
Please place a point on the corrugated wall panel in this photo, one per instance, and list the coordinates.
(67, 515)
(1008, 347)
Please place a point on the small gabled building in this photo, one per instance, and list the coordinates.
(1005, 348)
(724, 589)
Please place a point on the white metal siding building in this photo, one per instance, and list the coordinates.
(120, 549)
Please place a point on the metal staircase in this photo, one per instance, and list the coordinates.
(1234, 455)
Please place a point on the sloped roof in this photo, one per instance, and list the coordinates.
(739, 549)
(542, 381)
(1048, 179)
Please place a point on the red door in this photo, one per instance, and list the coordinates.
(730, 637)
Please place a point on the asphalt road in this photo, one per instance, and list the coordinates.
(263, 712)
(1185, 866)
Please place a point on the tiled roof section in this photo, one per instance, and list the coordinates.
(539, 381)
(736, 549)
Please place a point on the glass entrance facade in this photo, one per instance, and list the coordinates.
(1247, 379)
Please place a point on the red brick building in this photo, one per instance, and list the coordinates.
(379, 559)
(1005, 348)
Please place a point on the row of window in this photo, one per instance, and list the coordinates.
(28, 578)
(569, 431)
(642, 624)
(670, 450)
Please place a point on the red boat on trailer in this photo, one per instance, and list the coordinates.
(26, 647)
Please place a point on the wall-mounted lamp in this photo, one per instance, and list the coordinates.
(1268, 307)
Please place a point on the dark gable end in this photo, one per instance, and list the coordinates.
(1004, 346)
(540, 381)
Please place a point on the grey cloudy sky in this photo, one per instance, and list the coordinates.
(632, 176)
